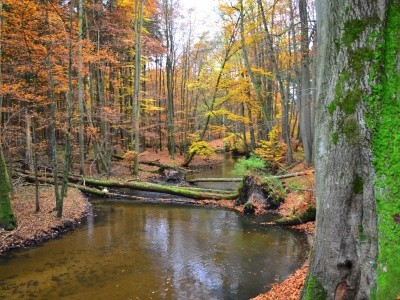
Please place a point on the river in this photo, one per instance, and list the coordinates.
(130, 250)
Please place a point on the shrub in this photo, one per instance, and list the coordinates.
(253, 164)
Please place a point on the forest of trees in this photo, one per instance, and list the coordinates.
(84, 80)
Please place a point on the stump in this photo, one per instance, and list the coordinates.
(254, 192)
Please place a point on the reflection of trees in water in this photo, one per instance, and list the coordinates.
(218, 252)
(161, 251)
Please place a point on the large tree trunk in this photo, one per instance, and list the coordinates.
(357, 245)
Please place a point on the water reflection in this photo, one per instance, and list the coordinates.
(224, 170)
(143, 251)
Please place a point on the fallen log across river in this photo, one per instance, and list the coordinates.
(236, 179)
(96, 187)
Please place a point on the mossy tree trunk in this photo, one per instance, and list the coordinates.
(7, 219)
(357, 245)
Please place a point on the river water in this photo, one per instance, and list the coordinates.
(131, 250)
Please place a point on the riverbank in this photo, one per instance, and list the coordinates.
(35, 228)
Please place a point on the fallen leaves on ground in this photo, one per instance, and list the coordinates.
(120, 169)
(36, 227)
(308, 227)
(290, 289)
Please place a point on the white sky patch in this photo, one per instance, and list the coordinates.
(204, 15)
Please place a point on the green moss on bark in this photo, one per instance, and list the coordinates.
(350, 101)
(358, 58)
(346, 101)
(358, 185)
(7, 219)
(361, 233)
(350, 130)
(335, 138)
(352, 30)
(384, 121)
(313, 289)
(355, 27)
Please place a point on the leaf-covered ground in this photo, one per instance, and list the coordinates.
(36, 227)
(290, 289)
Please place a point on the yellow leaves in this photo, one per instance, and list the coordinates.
(262, 72)
(273, 150)
(202, 148)
(229, 115)
(126, 3)
(148, 105)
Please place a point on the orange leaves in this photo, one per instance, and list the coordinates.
(290, 289)
(92, 132)
(130, 157)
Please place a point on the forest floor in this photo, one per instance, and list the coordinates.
(34, 228)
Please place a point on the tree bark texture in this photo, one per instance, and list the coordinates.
(7, 219)
(306, 108)
(357, 245)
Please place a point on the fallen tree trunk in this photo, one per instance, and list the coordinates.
(297, 174)
(214, 180)
(193, 193)
(159, 188)
(101, 193)
(236, 179)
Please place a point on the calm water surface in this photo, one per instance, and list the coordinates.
(154, 251)
(224, 170)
